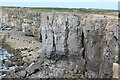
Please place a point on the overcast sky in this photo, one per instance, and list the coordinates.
(101, 4)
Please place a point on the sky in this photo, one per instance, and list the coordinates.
(100, 4)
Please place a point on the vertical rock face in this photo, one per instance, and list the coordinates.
(53, 34)
(62, 39)
(75, 36)
(100, 46)
(31, 23)
(27, 21)
(94, 45)
(119, 40)
(60, 34)
(11, 18)
(80, 42)
(4, 19)
(81, 39)
(26, 26)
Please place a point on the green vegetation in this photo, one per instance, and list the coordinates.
(76, 76)
(49, 9)
(73, 76)
(81, 10)
(29, 17)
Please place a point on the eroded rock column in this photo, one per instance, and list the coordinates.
(100, 47)
(53, 35)
(62, 39)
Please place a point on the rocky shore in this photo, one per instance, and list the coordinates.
(62, 45)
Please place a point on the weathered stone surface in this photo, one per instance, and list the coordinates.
(34, 67)
(100, 48)
(62, 40)
(74, 33)
(60, 35)
(31, 24)
(8, 64)
(22, 73)
(69, 42)
(76, 63)
(89, 39)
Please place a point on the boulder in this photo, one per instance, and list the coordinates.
(22, 73)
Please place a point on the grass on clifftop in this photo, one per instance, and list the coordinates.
(49, 9)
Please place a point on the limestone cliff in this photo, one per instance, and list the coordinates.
(86, 41)
(74, 43)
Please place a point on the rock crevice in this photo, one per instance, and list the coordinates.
(82, 41)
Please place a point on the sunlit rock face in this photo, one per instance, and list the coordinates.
(60, 33)
(26, 21)
(31, 24)
(87, 38)
(62, 39)
(11, 18)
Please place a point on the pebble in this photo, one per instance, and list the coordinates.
(30, 49)
(8, 64)
(22, 73)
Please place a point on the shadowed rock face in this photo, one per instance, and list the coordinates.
(100, 48)
(88, 38)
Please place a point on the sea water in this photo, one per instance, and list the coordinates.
(4, 56)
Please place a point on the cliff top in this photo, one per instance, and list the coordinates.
(69, 10)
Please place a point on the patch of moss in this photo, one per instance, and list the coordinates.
(75, 76)
(7, 47)
(29, 17)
